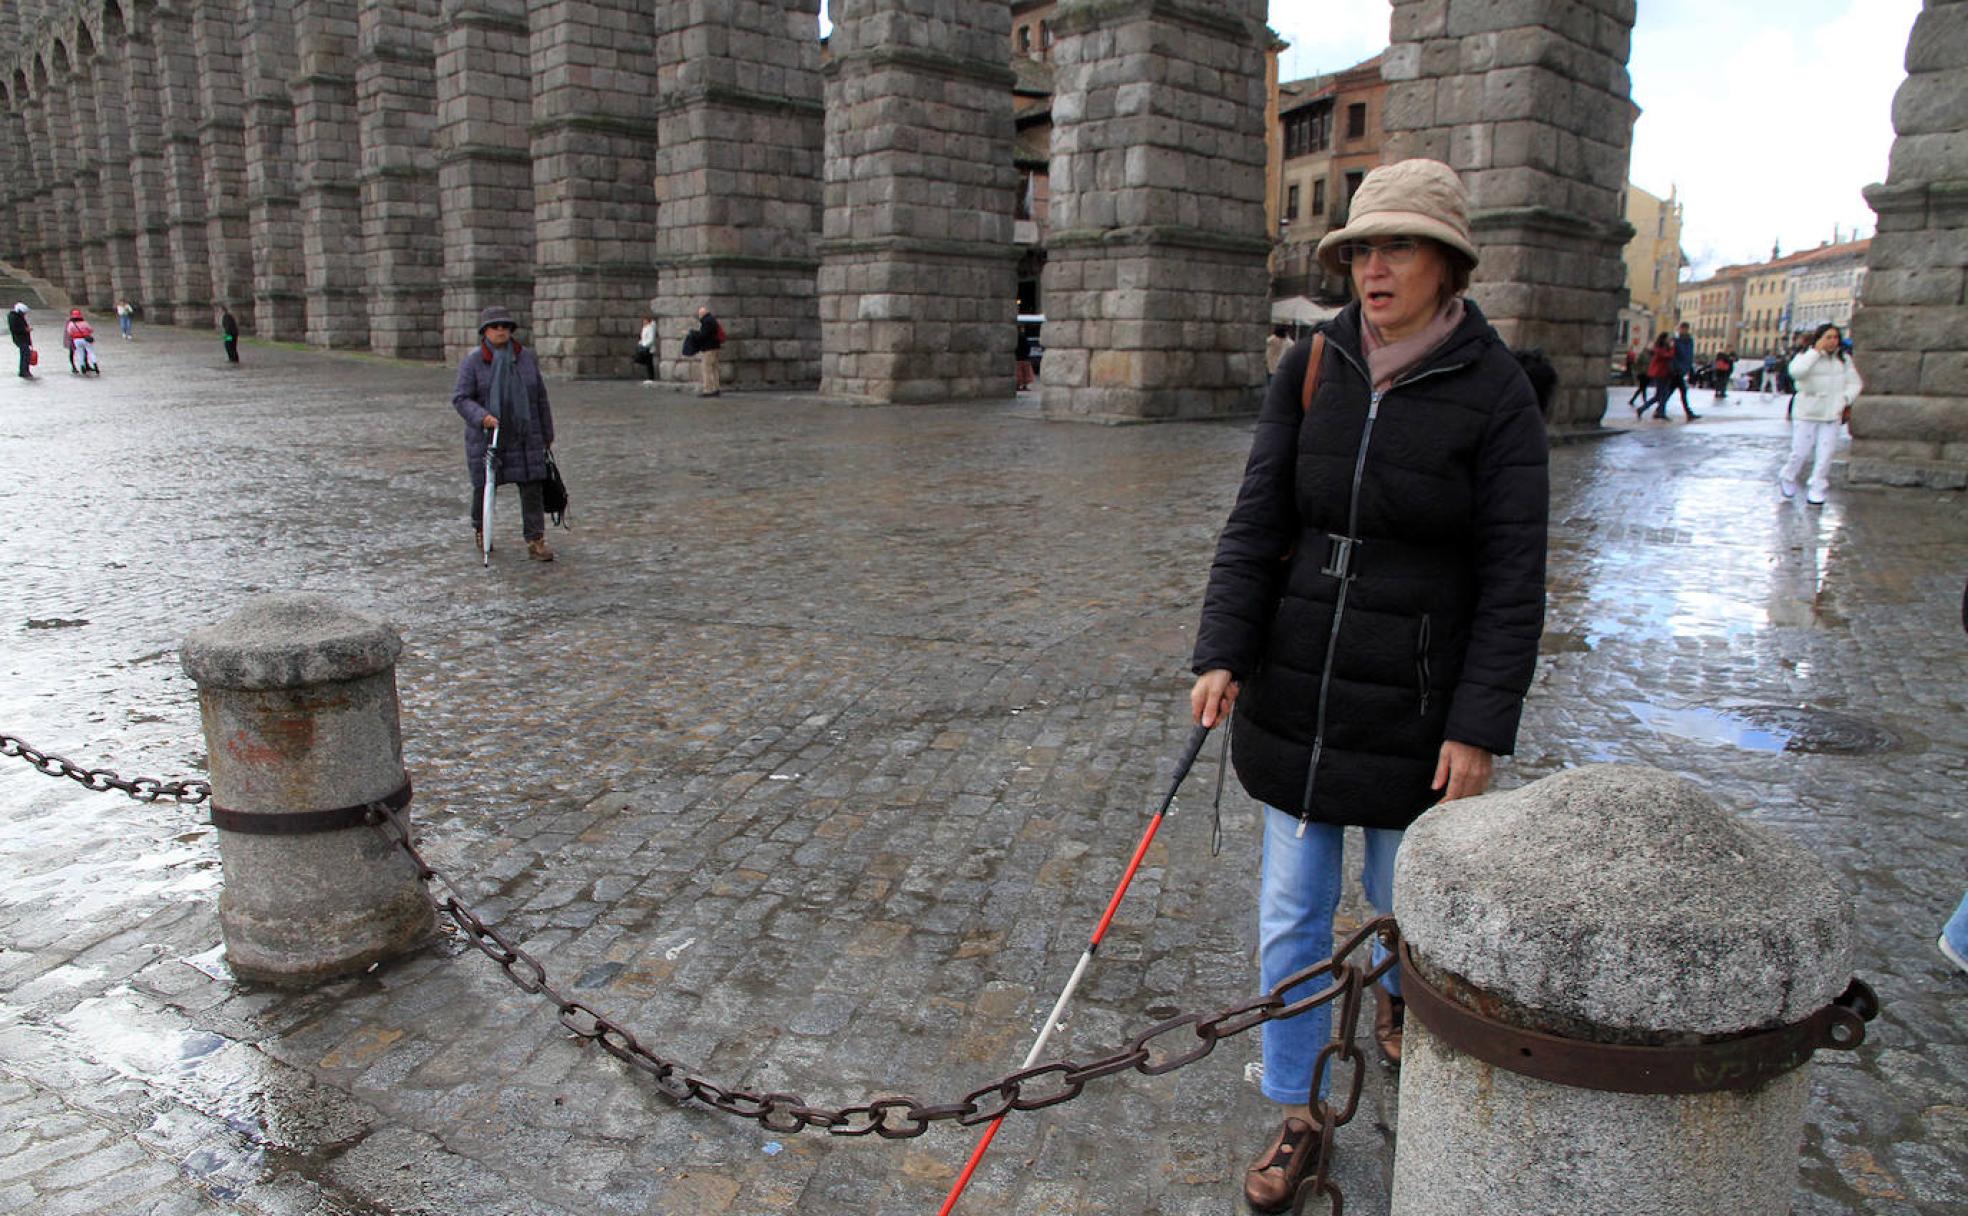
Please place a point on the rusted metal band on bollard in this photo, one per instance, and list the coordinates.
(306, 823)
(1739, 1063)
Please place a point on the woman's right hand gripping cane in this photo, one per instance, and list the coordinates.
(1212, 696)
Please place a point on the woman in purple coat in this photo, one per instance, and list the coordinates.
(499, 386)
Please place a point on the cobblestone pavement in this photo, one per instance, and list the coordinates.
(814, 759)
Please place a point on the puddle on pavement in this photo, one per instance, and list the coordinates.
(1770, 728)
(210, 962)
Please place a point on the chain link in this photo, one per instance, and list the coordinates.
(1180, 1041)
(1161, 1048)
(102, 780)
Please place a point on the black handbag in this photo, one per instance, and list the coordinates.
(553, 493)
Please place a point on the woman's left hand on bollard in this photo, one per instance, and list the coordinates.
(1463, 770)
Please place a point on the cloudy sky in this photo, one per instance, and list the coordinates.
(1768, 129)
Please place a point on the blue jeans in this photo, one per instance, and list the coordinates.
(1298, 893)
(1956, 931)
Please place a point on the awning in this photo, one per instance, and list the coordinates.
(1300, 310)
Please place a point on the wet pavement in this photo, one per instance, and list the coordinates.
(813, 759)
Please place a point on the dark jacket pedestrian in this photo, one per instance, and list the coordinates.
(1663, 368)
(230, 328)
(708, 338)
(500, 381)
(1375, 603)
(1435, 634)
(23, 335)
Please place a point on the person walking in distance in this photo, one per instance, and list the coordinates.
(1725, 367)
(499, 388)
(1684, 366)
(229, 329)
(710, 341)
(1638, 362)
(124, 313)
(1275, 348)
(80, 338)
(1660, 370)
(1827, 385)
(1390, 532)
(23, 335)
(645, 356)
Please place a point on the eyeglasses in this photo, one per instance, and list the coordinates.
(1395, 251)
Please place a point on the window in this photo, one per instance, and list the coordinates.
(1352, 183)
(1045, 34)
(1356, 120)
(1291, 203)
(1319, 197)
(1024, 39)
(1307, 131)
(1657, 278)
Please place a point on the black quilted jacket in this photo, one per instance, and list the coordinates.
(1357, 660)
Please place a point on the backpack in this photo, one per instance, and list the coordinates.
(720, 333)
(80, 329)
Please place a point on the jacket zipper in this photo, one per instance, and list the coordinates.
(1421, 660)
(1346, 579)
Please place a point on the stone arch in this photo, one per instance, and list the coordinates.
(114, 24)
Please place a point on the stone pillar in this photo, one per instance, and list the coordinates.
(1911, 327)
(396, 98)
(738, 183)
(56, 197)
(1155, 289)
(1530, 102)
(298, 698)
(216, 36)
(152, 292)
(1612, 904)
(63, 215)
(81, 149)
(484, 170)
(594, 153)
(918, 271)
(184, 170)
(266, 39)
(109, 90)
(35, 190)
(16, 173)
(327, 155)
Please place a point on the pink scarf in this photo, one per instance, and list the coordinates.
(1388, 360)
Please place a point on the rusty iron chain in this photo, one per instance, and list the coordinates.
(1162, 1048)
(102, 780)
(896, 1116)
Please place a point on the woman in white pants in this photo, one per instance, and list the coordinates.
(1827, 384)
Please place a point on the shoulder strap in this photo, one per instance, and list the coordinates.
(1312, 367)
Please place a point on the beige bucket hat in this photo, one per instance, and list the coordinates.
(1407, 198)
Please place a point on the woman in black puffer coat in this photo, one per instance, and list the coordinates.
(1377, 595)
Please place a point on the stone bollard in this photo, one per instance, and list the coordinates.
(1615, 905)
(298, 698)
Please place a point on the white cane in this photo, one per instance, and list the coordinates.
(485, 508)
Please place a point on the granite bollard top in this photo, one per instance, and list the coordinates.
(290, 640)
(1618, 902)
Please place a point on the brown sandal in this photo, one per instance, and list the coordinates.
(1271, 1183)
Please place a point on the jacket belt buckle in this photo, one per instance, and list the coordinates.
(1339, 556)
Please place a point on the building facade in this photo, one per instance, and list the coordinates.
(1653, 266)
(1332, 130)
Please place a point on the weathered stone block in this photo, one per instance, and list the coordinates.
(1939, 39)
